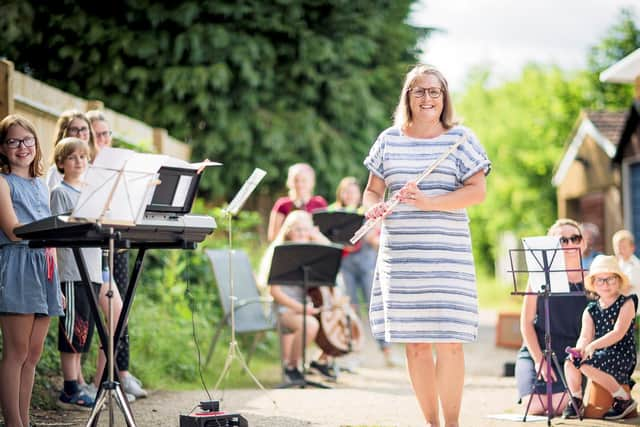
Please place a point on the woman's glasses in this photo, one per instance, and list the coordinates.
(104, 134)
(419, 92)
(575, 239)
(29, 141)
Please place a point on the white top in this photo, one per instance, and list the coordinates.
(631, 268)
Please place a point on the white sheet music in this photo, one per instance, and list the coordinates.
(534, 249)
(118, 186)
(246, 190)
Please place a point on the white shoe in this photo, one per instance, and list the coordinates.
(90, 390)
(133, 386)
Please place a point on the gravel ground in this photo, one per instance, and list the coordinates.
(372, 395)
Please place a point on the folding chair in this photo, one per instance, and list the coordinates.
(249, 307)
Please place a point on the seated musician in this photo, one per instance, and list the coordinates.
(298, 228)
(565, 314)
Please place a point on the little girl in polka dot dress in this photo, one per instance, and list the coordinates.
(605, 351)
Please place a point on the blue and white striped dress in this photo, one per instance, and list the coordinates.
(424, 287)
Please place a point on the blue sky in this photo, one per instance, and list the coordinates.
(506, 34)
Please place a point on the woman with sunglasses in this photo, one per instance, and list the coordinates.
(565, 314)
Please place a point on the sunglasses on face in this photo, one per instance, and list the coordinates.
(575, 239)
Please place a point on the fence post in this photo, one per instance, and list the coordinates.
(160, 135)
(6, 88)
(94, 104)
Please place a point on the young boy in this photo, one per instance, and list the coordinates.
(624, 248)
(76, 326)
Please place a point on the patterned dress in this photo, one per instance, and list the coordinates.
(618, 360)
(424, 287)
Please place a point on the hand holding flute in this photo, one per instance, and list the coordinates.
(408, 194)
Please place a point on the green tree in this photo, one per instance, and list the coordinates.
(248, 83)
(523, 125)
(621, 39)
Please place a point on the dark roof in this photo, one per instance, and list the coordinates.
(610, 124)
(631, 124)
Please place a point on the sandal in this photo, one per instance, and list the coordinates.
(76, 402)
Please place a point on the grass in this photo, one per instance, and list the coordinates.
(165, 355)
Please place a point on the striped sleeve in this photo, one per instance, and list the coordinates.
(373, 161)
(472, 158)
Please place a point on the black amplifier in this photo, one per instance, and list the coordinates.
(213, 419)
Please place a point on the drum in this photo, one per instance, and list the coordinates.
(340, 330)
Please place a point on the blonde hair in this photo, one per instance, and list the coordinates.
(344, 183)
(35, 168)
(295, 170)
(66, 147)
(621, 235)
(402, 117)
(564, 221)
(293, 219)
(96, 116)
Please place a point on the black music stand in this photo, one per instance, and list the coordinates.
(545, 260)
(306, 265)
(337, 225)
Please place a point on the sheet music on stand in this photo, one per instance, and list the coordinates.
(533, 252)
(245, 191)
(120, 184)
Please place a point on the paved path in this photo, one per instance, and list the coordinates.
(373, 396)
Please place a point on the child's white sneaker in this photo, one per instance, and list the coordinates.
(132, 385)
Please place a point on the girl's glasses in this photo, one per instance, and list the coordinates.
(77, 131)
(29, 141)
(575, 239)
(609, 280)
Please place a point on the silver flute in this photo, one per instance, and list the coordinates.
(371, 223)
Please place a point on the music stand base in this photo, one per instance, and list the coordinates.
(551, 411)
(303, 384)
(110, 391)
(235, 353)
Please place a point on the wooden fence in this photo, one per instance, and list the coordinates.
(42, 104)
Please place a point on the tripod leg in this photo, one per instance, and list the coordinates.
(564, 382)
(248, 371)
(121, 399)
(101, 400)
(532, 394)
(227, 365)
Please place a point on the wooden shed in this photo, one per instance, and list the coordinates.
(588, 186)
(626, 159)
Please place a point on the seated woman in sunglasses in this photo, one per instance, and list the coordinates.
(565, 314)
